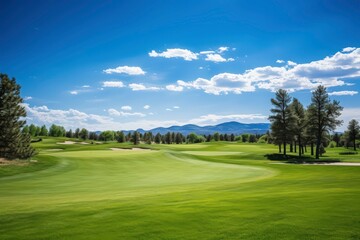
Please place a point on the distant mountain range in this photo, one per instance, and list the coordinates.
(227, 127)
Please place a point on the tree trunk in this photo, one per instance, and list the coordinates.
(312, 149)
(291, 147)
(354, 144)
(284, 148)
(317, 150)
(300, 148)
(279, 148)
(295, 146)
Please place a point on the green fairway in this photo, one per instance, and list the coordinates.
(200, 191)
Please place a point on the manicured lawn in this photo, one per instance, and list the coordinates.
(200, 191)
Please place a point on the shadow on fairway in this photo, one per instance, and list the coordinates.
(297, 160)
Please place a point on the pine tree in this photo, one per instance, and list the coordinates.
(13, 142)
(282, 118)
(353, 131)
(300, 123)
(322, 116)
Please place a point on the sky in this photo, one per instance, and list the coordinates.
(124, 65)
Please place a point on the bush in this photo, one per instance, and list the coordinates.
(332, 144)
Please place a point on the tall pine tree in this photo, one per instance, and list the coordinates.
(323, 116)
(13, 142)
(282, 119)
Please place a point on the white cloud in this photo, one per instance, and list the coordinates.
(113, 84)
(280, 61)
(174, 88)
(114, 112)
(215, 58)
(221, 83)
(207, 52)
(223, 49)
(176, 107)
(330, 72)
(125, 69)
(169, 109)
(343, 93)
(86, 86)
(28, 98)
(175, 53)
(74, 92)
(126, 108)
(72, 119)
(146, 107)
(291, 63)
(142, 87)
(348, 49)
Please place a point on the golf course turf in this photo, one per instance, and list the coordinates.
(212, 190)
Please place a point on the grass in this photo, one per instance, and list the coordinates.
(199, 191)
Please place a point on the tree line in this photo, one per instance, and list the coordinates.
(136, 137)
(293, 124)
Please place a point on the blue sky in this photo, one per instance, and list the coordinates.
(143, 64)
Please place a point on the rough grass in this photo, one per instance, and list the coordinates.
(200, 191)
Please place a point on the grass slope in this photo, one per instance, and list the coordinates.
(200, 191)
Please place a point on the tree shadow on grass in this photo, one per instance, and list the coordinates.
(298, 160)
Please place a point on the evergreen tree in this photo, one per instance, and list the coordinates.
(353, 132)
(323, 116)
(158, 138)
(135, 138)
(13, 142)
(216, 136)
(84, 134)
(77, 132)
(282, 118)
(120, 136)
(336, 139)
(32, 130)
(300, 123)
(43, 131)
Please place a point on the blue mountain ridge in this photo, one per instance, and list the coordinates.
(227, 127)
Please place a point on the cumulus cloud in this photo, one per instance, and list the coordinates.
(85, 86)
(146, 107)
(118, 120)
(28, 98)
(70, 118)
(291, 63)
(221, 83)
(114, 112)
(207, 52)
(280, 61)
(126, 108)
(175, 53)
(343, 93)
(74, 92)
(330, 72)
(176, 107)
(174, 88)
(142, 87)
(169, 109)
(215, 58)
(113, 84)
(125, 69)
(223, 49)
(348, 49)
